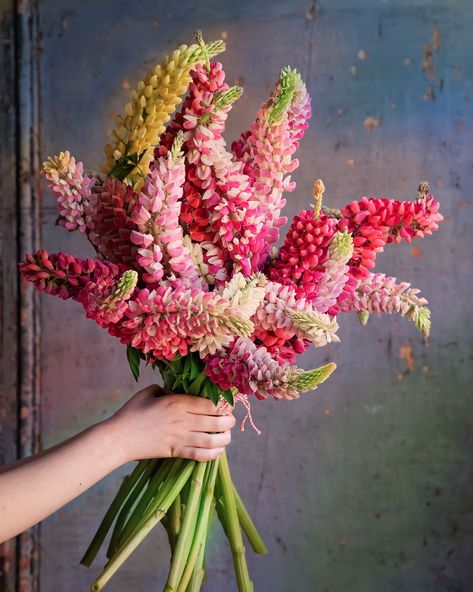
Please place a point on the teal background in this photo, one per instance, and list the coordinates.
(365, 485)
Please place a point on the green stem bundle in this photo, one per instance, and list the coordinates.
(181, 494)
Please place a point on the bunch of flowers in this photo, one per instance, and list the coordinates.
(188, 278)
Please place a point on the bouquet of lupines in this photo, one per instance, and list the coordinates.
(188, 277)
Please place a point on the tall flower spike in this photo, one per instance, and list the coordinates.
(152, 103)
(73, 191)
(378, 293)
(303, 254)
(159, 234)
(285, 324)
(266, 151)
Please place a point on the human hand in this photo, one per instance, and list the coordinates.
(170, 425)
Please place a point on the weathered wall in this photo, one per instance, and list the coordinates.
(366, 485)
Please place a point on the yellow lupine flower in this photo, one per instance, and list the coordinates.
(152, 103)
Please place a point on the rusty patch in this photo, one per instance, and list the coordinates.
(371, 123)
(416, 251)
(406, 353)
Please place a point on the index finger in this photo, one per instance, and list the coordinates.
(202, 406)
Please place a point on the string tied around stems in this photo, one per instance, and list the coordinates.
(224, 408)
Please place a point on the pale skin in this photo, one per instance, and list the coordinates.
(147, 426)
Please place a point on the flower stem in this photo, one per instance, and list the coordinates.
(233, 526)
(173, 522)
(129, 506)
(186, 533)
(148, 496)
(157, 513)
(124, 491)
(202, 526)
(248, 526)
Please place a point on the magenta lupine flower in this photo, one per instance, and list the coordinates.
(72, 190)
(168, 321)
(63, 275)
(252, 371)
(301, 258)
(113, 225)
(375, 222)
(381, 294)
(249, 369)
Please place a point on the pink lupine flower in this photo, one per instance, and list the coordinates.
(252, 371)
(63, 275)
(375, 222)
(381, 294)
(72, 189)
(156, 213)
(105, 298)
(336, 273)
(168, 321)
(284, 323)
(266, 149)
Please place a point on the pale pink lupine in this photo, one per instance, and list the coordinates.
(381, 294)
(72, 189)
(336, 272)
(159, 235)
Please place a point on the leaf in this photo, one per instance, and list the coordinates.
(228, 396)
(213, 392)
(133, 356)
(195, 367)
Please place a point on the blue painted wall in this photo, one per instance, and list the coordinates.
(366, 485)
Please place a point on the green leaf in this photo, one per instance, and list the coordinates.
(228, 396)
(133, 356)
(212, 391)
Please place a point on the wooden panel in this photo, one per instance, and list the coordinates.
(8, 273)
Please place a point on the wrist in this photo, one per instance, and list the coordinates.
(112, 442)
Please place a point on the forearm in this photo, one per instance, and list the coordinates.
(31, 491)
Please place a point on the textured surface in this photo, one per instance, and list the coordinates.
(366, 485)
